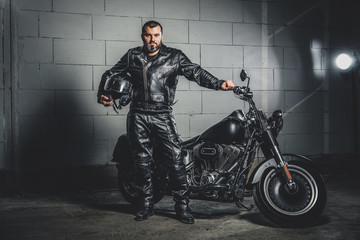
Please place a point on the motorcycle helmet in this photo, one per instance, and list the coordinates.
(119, 87)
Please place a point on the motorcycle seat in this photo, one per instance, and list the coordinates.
(191, 142)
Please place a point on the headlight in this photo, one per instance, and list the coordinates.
(276, 122)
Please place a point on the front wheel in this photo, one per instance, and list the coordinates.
(286, 207)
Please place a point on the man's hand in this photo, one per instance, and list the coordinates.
(227, 85)
(105, 101)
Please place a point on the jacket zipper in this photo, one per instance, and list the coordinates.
(145, 83)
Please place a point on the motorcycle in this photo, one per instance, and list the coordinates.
(220, 166)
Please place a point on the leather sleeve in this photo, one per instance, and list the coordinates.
(119, 69)
(194, 72)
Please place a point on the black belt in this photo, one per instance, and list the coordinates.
(150, 107)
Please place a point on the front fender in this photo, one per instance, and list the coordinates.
(122, 150)
(271, 163)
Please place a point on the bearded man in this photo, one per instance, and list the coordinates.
(154, 71)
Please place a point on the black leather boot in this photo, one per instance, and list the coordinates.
(144, 213)
(183, 212)
(146, 210)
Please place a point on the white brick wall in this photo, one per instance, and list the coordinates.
(79, 6)
(253, 57)
(29, 76)
(42, 5)
(183, 126)
(293, 58)
(204, 32)
(90, 52)
(35, 50)
(130, 8)
(64, 46)
(192, 51)
(64, 25)
(28, 24)
(269, 101)
(98, 72)
(252, 34)
(174, 9)
(220, 102)
(253, 12)
(116, 49)
(188, 102)
(116, 28)
(66, 77)
(297, 79)
(197, 122)
(256, 76)
(221, 56)
(226, 10)
(298, 36)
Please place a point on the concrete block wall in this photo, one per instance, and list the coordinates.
(2, 116)
(63, 47)
(5, 102)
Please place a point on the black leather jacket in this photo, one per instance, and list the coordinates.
(154, 82)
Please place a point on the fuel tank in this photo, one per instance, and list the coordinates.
(231, 130)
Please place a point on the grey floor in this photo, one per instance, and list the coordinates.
(106, 215)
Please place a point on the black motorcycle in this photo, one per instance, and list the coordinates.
(220, 166)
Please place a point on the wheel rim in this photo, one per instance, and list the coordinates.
(291, 203)
(128, 185)
(130, 189)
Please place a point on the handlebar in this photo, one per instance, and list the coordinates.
(241, 90)
(244, 91)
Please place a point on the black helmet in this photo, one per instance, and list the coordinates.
(119, 87)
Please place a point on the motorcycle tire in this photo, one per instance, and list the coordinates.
(287, 208)
(127, 187)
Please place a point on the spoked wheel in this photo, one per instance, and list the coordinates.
(291, 207)
(127, 186)
(126, 182)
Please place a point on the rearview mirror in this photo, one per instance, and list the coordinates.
(243, 75)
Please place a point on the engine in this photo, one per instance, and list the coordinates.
(216, 158)
(210, 160)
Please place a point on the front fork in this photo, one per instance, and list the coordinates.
(273, 145)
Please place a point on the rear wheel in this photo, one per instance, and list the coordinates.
(287, 207)
(127, 187)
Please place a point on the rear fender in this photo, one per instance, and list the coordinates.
(122, 151)
(271, 163)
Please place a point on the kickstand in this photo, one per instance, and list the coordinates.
(240, 205)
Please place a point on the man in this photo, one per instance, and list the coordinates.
(153, 70)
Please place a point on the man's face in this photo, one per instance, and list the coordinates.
(152, 38)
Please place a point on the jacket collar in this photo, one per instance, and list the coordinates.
(141, 55)
(163, 50)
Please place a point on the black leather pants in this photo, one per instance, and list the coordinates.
(145, 128)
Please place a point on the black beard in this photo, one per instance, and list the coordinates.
(151, 49)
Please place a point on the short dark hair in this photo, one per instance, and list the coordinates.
(151, 24)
